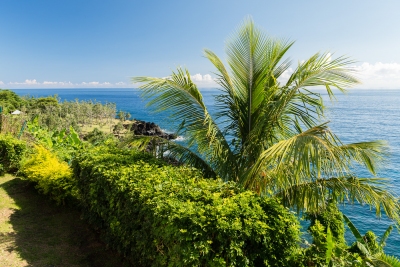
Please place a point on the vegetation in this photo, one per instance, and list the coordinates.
(54, 115)
(11, 153)
(370, 247)
(267, 151)
(36, 232)
(268, 135)
(161, 215)
(52, 176)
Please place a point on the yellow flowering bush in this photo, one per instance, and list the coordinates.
(53, 177)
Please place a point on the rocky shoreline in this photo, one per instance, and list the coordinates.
(146, 128)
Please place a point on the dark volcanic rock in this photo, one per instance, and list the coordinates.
(149, 129)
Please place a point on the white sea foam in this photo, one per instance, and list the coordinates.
(179, 139)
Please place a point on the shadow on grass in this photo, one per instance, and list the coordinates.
(45, 234)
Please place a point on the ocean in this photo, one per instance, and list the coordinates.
(359, 115)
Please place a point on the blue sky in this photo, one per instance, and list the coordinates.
(51, 44)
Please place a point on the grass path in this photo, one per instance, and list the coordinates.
(35, 232)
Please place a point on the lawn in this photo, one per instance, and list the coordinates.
(36, 232)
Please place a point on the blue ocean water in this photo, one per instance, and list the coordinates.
(359, 115)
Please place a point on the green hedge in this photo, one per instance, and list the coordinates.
(11, 152)
(160, 215)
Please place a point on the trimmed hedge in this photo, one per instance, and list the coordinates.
(11, 153)
(159, 215)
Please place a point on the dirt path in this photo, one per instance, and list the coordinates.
(35, 232)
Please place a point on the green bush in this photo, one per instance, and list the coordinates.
(325, 250)
(52, 176)
(11, 152)
(161, 215)
(97, 137)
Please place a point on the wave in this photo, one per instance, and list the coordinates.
(180, 139)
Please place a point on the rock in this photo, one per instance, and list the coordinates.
(148, 129)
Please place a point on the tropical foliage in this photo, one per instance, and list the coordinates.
(52, 114)
(11, 153)
(269, 134)
(52, 176)
(10, 101)
(370, 247)
(160, 215)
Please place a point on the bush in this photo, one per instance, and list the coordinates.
(317, 253)
(161, 215)
(97, 137)
(52, 176)
(11, 152)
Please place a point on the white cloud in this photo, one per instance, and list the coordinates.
(49, 83)
(204, 81)
(379, 75)
(31, 82)
(27, 82)
(93, 84)
(197, 77)
(372, 75)
(285, 75)
(61, 84)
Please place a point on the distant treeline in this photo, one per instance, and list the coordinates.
(55, 114)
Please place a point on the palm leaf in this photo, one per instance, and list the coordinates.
(313, 195)
(181, 96)
(383, 260)
(353, 229)
(329, 245)
(385, 236)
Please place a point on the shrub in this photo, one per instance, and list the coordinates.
(11, 152)
(161, 215)
(97, 137)
(52, 176)
(339, 254)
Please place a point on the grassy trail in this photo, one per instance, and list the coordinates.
(35, 232)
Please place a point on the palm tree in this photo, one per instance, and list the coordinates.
(268, 134)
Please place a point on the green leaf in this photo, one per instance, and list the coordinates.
(385, 236)
(329, 245)
(353, 229)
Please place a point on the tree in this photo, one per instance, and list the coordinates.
(10, 101)
(121, 115)
(127, 116)
(269, 135)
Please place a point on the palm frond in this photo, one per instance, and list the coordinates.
(313, 195)
(314, 149)
(180, 95)
(385, 236)
(370, 154)
(383, 260)
(321, 70)
(353, 229)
